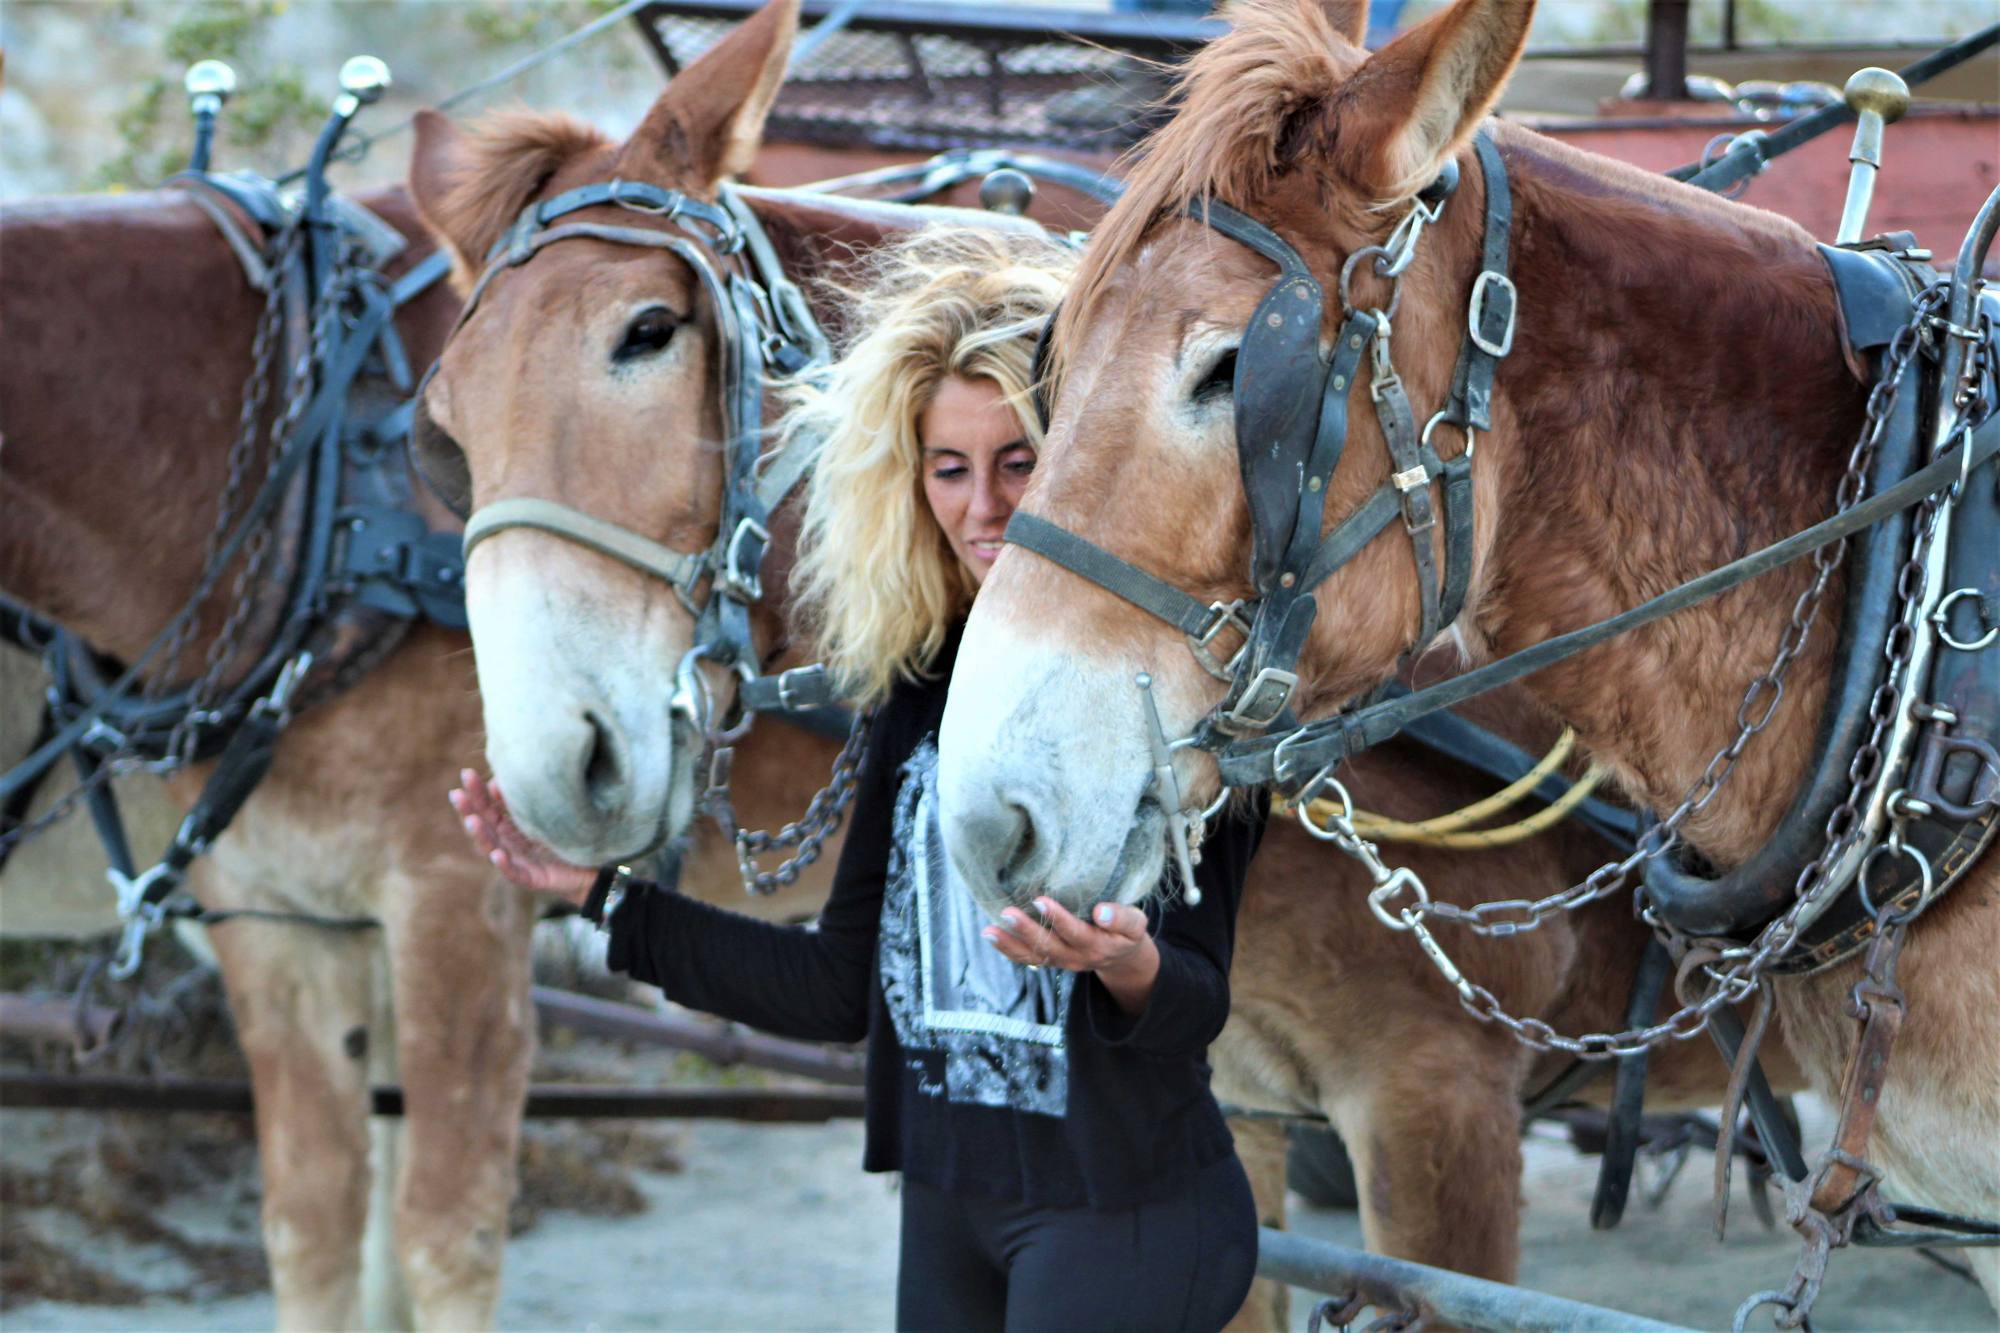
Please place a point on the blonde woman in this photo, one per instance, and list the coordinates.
(1041, 1083)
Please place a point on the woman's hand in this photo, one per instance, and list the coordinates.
(519, 857)
(1114, 944)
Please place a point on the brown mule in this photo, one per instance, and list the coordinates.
(1676, 396)
(1330, 1014)
(128, 324)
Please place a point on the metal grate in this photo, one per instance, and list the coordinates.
(925, 81)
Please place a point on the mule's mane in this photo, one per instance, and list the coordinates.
(1243, 100)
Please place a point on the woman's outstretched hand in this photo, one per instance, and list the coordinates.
(526, 862)
(1114, 943)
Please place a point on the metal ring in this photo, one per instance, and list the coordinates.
(1442, 418)
(1347, 277)
(1941, 618)
(1896, 846)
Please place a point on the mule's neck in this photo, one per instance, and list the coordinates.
(1678, 398)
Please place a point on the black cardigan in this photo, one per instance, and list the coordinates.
(1136, 1119)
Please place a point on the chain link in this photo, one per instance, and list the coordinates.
(1734, 976)
(809, 832)
(299, 384)
(256, 392)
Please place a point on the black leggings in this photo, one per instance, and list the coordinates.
(977, 1263)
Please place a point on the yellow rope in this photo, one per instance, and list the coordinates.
(1453, 831)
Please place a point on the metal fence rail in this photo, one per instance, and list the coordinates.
(1453, 1298)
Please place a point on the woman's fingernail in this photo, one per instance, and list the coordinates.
(1106, 914)
(1042, 906)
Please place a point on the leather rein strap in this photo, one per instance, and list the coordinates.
(763, 322)
(1291, 430)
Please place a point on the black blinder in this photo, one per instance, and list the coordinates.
(1279, 378)
(439, 460)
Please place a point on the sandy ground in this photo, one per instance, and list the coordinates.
(773, 1227)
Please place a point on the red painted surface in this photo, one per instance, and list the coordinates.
(1937, 168)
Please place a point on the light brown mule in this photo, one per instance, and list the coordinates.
(1676, 396)
(127, 332)
(1330, 1016)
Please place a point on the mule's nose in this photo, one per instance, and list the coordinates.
(1008, 838)
(605, 772)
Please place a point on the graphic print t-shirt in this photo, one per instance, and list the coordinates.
(976, 1028)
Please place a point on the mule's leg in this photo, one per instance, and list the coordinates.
(385, 1297)
(1261, 1145)
(297, 993)
(465, 1034)
(1435, 1138)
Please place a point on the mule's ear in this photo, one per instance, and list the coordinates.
(1349, 18)
(438, 157)
(709, 122)
(1414, 103)
(468, 188)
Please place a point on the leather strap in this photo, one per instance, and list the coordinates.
(1628, 1094)
(1314, 746)
(682, 569)
(1107, 571)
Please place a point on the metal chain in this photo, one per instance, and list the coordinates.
(111, 768)
(1735, 974)
(256, 391)
(242, 449)
(299, 384)
(810, 831)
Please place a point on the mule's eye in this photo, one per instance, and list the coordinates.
(1220, 381)
(650, 331)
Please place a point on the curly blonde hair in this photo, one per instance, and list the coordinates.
(877, 585)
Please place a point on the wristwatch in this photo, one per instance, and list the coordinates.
(606, 892)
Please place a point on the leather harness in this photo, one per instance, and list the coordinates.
(363, 564)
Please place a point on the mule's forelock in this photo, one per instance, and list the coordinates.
(470, 186)
(1247, 105)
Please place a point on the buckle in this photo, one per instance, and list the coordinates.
(1264, 698)
(803, 687)
(669, 207)
(1475, 313)
(1221, 615)
(746, 585)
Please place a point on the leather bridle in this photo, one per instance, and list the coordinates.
(1292, 421)
(763, 323)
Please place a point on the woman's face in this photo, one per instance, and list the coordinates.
(976, 464)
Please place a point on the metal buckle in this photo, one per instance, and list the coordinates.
(1263, 699)
(1221, 615)
(809, 678)
(669, 210)
(746, 586)
(1475, 309)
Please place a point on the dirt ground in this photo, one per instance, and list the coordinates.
(121, 1222)
(705, 1225)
